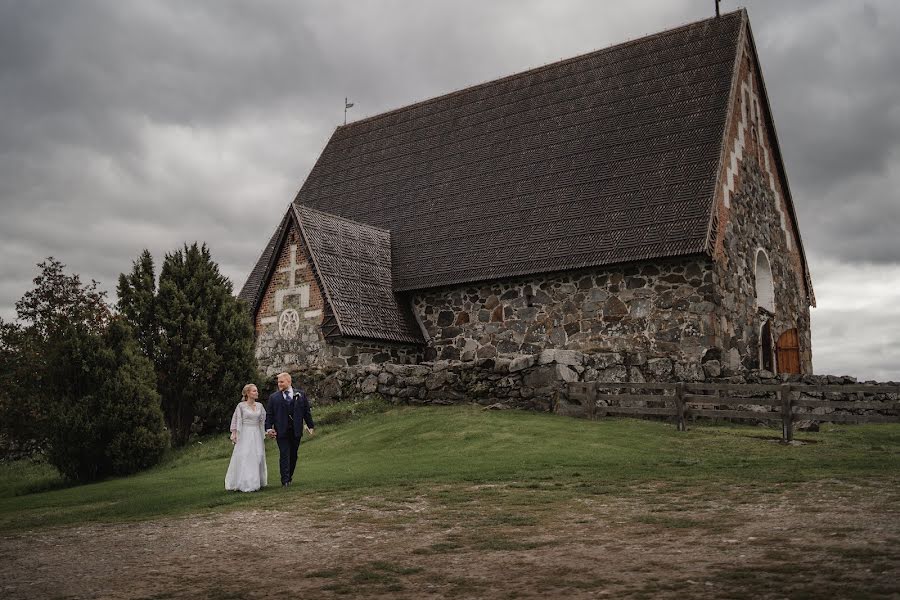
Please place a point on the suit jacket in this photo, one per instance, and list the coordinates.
(278, 414)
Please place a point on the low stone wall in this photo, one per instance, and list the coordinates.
(766, 377)
(533, 382)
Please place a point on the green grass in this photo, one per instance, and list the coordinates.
(359, 451)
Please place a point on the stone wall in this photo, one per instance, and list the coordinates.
(654, 311)
(289, 319)
(753, 226)
(752, 214)
(289, 322)
(531, 382)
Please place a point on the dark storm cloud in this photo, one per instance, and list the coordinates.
(831, 73)
(139, 124)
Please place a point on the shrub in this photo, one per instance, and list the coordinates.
(108, 421)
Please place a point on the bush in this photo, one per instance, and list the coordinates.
(108, 421)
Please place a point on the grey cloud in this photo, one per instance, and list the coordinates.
(150, 123)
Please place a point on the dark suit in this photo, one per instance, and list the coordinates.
(287, 419)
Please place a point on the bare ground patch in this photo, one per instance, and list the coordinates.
(813, 540)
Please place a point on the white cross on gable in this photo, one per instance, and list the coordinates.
(292, 288)
(291, 269)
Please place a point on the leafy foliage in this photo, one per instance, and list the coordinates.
(29, 350)
(137, 298)
(75, 383)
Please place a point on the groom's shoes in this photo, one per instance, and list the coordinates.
(285, 483)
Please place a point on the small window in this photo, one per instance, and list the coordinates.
(766, 355)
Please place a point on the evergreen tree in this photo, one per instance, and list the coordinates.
(75, 382)
(107, 419)
(137, 298)
(205, 351)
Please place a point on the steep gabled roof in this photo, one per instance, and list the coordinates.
(353, 264)
(605, 158)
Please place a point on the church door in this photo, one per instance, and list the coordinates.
(788, 348)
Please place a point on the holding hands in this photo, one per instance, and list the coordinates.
(271, 433)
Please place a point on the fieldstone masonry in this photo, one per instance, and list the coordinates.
(518, 341)
(288, 322)
(652, 311)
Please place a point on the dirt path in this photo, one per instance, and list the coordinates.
(828, 539)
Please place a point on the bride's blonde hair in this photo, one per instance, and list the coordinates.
(246, 391)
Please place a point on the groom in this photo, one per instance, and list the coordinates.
(286, 411)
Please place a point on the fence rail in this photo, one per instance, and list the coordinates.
(684, 401)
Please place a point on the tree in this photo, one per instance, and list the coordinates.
(202, 335)
(58, 299)
(137, 298)
(21, 416)
(107, 420)
(27, 372)
(75, 381)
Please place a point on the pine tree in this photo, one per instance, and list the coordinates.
(205, 351)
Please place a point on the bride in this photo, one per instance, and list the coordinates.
(247, 471)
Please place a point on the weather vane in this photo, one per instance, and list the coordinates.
(346, 106)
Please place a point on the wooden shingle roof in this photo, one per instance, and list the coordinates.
(605, 158)
(352, 262)
(352, 265)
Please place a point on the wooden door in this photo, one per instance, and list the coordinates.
(788, 348)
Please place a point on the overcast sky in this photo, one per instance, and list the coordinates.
(145, 124)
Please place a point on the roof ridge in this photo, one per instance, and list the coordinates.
(533, 70)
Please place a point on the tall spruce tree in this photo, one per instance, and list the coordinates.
(205, 352)
(137, 300)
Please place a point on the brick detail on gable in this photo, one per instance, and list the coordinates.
(289, 318)
(748, 138)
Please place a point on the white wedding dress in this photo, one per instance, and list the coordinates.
(247, 470)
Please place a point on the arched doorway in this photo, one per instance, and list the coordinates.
(788, 348)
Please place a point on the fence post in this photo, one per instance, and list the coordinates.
(787, 417)
(679, 407)
(592, 394)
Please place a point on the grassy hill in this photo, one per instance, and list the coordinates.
(408, 447)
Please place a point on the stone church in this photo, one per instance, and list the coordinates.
(628, 207)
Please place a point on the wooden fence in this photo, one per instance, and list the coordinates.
(683, 401)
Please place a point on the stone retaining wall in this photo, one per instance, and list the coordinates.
(532, 382)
